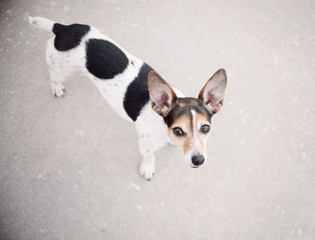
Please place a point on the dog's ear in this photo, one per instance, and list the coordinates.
(212, 94)
(162, 96)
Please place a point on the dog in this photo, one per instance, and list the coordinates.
(161, 114)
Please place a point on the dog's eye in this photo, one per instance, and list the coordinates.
(205, 129)
(178, 132)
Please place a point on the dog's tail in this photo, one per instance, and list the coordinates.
(42, 23)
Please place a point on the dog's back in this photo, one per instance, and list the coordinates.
(120, 77)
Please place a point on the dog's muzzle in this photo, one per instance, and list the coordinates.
(197, 160)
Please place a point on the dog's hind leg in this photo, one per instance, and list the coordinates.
(56, 85)
(61, 67)
(56, 69)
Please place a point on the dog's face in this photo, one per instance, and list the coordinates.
(188, 119)
(188, 127)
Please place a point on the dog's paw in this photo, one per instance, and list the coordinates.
(58, 89)
(147, 169)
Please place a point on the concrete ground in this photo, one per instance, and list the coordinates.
(69, 167)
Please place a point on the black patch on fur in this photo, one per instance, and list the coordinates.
(184, 106)
(137, 94)
(68, 37)
(104, 59)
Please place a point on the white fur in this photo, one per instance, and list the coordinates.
(42, 23)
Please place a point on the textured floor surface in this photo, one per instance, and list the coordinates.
(68, 167)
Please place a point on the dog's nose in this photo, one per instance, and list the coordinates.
(197, 160)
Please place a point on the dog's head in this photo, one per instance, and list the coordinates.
(188, 119)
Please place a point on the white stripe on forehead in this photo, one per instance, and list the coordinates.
(194, 124)
(193, 113)
(195, 148)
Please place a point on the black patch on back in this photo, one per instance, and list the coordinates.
(184, 106)
(137, 94)
(68, 37)
(104, 59)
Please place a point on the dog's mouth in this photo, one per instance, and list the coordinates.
(194, 166)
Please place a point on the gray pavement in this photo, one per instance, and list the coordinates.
(69, 167)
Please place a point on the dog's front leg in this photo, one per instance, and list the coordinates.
(153, 135)
(147, 165)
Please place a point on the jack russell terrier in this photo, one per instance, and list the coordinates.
(135, 91)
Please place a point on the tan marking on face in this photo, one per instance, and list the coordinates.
(188, 143)
(194, 140)
(200, 137)
(184, 142)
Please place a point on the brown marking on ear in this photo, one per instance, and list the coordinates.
(162, 96)
(212, 94)
(201, 93)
